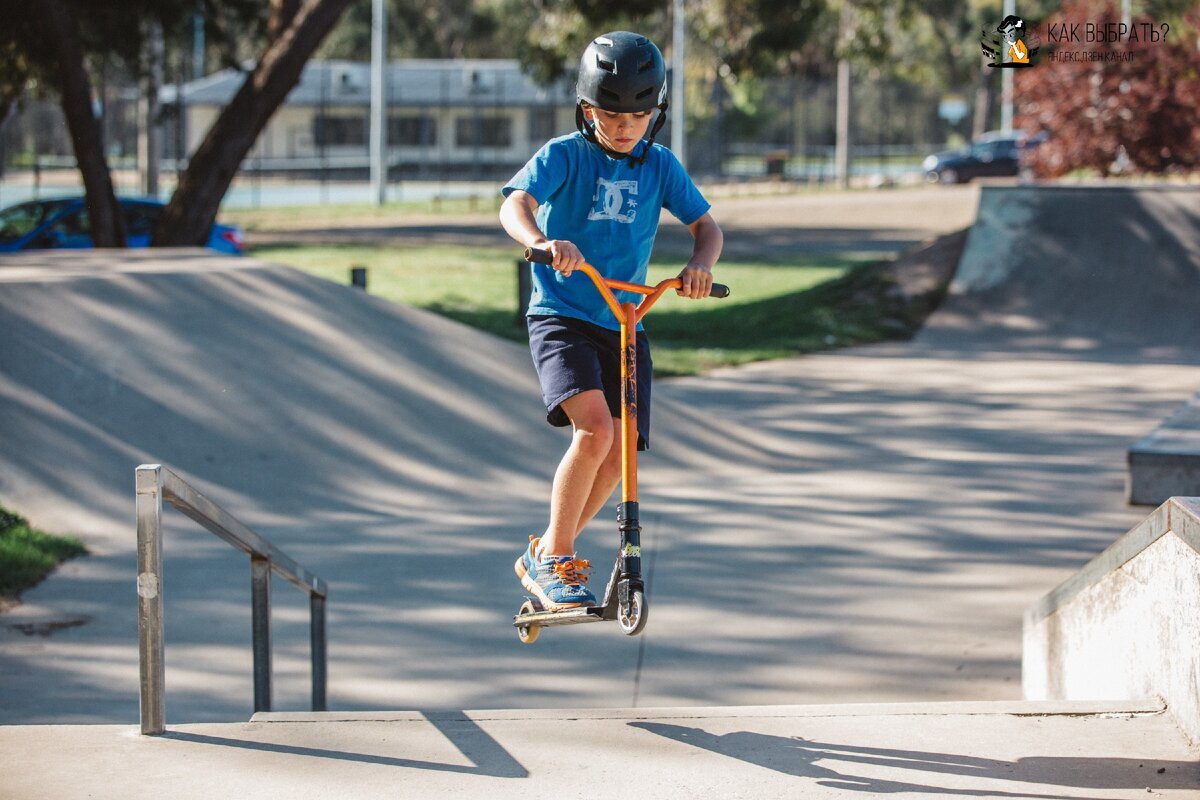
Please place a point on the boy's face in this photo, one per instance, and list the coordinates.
(617, 131)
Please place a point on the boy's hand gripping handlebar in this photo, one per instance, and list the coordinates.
(606, 285)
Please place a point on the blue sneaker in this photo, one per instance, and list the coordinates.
(558, 581)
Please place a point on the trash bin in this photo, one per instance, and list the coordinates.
(776, 161)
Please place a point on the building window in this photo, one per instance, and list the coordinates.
(543, 124)
(340, 131)
(483, 132)
(412, 131)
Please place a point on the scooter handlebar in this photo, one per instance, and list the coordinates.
(545, 257)
(538, 256)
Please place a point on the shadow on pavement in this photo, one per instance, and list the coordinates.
(799, 757)
(487, 756)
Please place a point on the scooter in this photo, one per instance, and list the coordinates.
(624, 598)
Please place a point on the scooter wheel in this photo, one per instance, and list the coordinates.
(632, 618)
(528, 633)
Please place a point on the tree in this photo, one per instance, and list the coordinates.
(193, 208)
(422, 29)
(759, 37)
(1134, 110)
(44, 39)
(15, 70)
(53, 38)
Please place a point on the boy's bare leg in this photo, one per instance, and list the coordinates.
(576, 478)
(607, 479)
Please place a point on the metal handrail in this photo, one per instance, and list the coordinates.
(156, 483)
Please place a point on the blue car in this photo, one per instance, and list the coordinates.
(63, 223)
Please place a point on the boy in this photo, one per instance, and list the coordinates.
(595, 196)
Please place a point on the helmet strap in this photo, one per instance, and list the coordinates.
(588, 130)
(658, 126)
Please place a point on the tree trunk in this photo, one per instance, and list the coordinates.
(983, 103)
(150, 137)
(281, 14)
(8, 103)
(108, 226)
(189, 216)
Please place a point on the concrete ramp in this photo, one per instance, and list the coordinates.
(391, 451)
(1034, 751)
(1100, 271)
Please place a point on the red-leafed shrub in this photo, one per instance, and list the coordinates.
(1123, 105)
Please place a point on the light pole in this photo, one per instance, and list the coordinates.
(841, 150)
(378, 153)
(678, 34)
(1006, 82)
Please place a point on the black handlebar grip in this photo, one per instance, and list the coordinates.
(539, 256)
(719, 290)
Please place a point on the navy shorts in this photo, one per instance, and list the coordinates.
(572, 356)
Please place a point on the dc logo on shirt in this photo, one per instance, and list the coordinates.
(615, 200)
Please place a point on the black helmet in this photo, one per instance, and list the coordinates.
(622, 72)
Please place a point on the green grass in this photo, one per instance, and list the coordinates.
(853, 306)
(27, 555)
(776, 309)
(300, 217)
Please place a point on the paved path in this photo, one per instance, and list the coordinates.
(1032, 752)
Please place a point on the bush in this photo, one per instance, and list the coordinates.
(1135, 113)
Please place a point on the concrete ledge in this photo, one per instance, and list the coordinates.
(1022, 708)
(1128, 624)
(1167, 462)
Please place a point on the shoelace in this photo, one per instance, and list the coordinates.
(573, 572)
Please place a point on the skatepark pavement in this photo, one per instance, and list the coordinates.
(946, 750)
(861, 526)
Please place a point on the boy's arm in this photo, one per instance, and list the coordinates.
(518, 215)
(707, 241)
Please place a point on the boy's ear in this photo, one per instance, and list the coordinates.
(588, 113)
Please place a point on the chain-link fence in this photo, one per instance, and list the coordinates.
(456, 128)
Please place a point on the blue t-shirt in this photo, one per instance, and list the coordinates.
(609, 208)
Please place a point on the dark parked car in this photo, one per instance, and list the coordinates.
(995, 154)
(63, 223)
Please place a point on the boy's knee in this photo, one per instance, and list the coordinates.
(592, 421)
(597, 439)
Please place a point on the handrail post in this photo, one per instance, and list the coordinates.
(260, 612)
(156, 483)
(150, 603)
(319, 668)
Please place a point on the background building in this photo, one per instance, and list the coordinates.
(446, 118)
